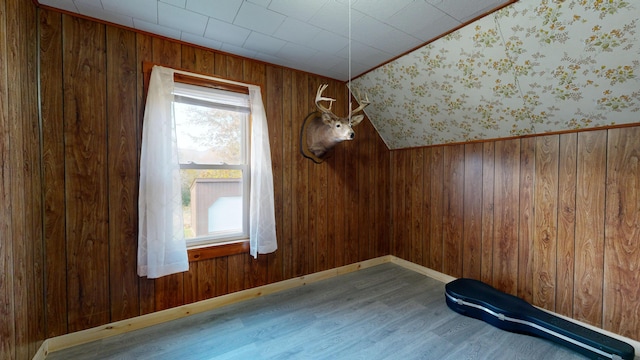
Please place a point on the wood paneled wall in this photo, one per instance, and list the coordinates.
(554, 219)
(327, 215)
(21, 252)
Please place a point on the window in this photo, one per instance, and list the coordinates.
(212, 136)
(235, 144)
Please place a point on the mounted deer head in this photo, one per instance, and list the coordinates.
(323, 129)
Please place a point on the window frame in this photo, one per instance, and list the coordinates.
(244, 167)
(217, 249)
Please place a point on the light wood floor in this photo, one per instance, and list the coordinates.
(383, 312)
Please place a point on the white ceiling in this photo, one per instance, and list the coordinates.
(308, 35)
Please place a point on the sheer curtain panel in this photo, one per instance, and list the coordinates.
(262, 220)
(161, 246)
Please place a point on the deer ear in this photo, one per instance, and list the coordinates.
(326, 118)
(355, 120)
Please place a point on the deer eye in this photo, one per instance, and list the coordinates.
(338, 125)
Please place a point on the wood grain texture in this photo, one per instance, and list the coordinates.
(539, 205)
(436, 195)
(53, 169)
(427, 206)
(453, 211)
(417, 206)
(622, 233)
(565, 260)
(545, 233)
(472, 217)
(488, 201)
(506, 209)
(122, 175)
(399, 198)
(8, 324)
(85, 172)
(526, 214)
(274, 93)
(590, 205)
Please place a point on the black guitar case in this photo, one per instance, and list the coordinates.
(478, 300)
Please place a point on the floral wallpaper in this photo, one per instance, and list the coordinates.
(532, 67)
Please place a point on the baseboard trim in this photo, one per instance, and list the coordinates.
(446, 278)
(116, 328)
(139, 322)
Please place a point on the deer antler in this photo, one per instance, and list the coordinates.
(319, 98)
(363, 102)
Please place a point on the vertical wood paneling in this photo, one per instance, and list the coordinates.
(86, 173)
(7, 326)
(383, 210)
(488, 186)
(436, 249)
(565, 259)
(622, 234)
(590, 197)
(398, 179)
(274, 93)
(34, 261)
(472, 217)
(51, 93)
(25, 180)
(526, 219)
(22, 321)
(144, 51)
(545, 232)
(340, 186)
(417, 206)
(313, 252)
(7, 300)
(363, 207)
(540, 207)
(427, 206)
(453, 222)
(505, 245)
(255, 73)
(352, 244)
(300, 214)
(290, 148)
(122, 142)
(591, 171)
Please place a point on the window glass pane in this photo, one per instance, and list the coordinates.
(206, 135)
(212, 202)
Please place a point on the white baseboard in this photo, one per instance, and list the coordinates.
(446, 278)
(104, 331)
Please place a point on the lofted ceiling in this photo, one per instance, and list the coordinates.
(536, 66)
(308, 35)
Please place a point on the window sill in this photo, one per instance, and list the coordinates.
(217, 250)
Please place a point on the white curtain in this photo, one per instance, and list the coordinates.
(161, 246)
(262, 220)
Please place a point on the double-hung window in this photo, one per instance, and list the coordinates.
(212, 135)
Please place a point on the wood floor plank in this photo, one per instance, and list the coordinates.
(382, 312)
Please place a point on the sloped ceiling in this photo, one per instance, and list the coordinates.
(308, 35)
(535, 66)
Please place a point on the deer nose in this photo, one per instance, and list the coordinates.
(352, 135)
